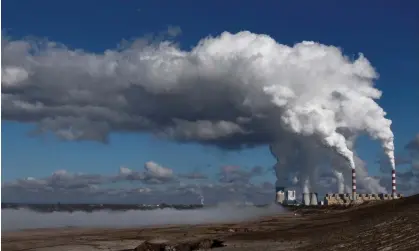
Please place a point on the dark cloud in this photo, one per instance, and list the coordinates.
(413, 145)
(401, 159)
(59, 180)
(194, 176)
(158, 185)
(408, 178)
(407, 182)
(85, 96)
(155, 184)
(413, 149)
(235, 174)
(175, 193)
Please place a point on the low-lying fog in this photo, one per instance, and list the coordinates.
(12, 219)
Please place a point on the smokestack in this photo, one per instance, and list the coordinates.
(313, 200)
(393, 183)
(306, 199)
(353, 184)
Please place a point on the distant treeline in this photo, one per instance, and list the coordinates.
(59, 207)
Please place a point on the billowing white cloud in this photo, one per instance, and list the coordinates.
(232, 91)
(155, 173)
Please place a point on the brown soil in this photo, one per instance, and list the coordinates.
(391, 225)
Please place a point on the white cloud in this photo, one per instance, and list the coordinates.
(157, 171)
(124, 170)
(233, 90)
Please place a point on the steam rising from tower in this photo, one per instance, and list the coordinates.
(202, 199)
(232, 91)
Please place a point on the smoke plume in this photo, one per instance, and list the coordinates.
(231, 91)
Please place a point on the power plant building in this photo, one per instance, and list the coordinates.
(288, 197)
(347, 199)
(284, 196)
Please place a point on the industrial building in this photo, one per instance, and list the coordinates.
(288, 197)
(285, 197)
(354, 198)
(346, 199)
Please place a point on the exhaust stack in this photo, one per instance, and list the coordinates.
(393, 183)
(353, 184)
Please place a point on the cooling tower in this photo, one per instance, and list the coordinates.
(313, 199)
(306, 199)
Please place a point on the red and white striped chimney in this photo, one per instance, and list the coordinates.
(393, 183)
(353, 184)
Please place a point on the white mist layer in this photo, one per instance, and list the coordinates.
(230, 85)
(12, 220)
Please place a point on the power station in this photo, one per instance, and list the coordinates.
(288, 197)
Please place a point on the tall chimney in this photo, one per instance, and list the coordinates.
(353, 184)
(393, 183)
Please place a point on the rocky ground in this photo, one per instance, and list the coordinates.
(391, 225)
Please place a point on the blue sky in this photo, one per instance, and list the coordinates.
(385, 31)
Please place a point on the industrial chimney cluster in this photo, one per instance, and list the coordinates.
(287, 197)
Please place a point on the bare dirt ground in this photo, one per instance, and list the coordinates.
(391, 225)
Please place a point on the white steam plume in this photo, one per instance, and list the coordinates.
(232, 90)
(340, 181)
